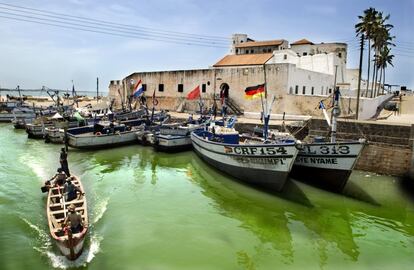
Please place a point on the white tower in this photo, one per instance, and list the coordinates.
(237, 39)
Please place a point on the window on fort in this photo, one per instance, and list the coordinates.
(291, 90)
(330, 90)
(180, 88)
(251, 51)
(339, 55)
(144, 87)
(208, 82)
(161, 87)
(304, 90)
(296, 89)
(264, 50)
(305, 53)
(269, 50)
(203, 88)
(312, 90)
(247, 51)
(237, 51)
(285, 56)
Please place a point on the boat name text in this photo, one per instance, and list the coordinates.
(256, 151)
(327, 150)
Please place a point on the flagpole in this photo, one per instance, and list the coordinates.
(153, 106)
(265, 86)
(201, 105)
(266, 117)
(97, 89)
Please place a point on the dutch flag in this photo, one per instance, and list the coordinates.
(138, 89)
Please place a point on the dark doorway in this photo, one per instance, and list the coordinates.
(224, 90)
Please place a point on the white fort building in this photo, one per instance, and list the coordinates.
(299, 75)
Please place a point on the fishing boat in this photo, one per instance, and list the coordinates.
(253, 161)
(20, 123)
(70, 244)
(146, 133)
(17, 112)
(328, 164)
(37, 129)
(130, 114)
(104, 134)
(175, 138)
(54, 135)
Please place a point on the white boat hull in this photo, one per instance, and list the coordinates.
(327, 164)
(101, 141)
(54, 135)
(259, 164)
(7, 117)
(172, 143)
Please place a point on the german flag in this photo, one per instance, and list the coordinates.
(254, 91)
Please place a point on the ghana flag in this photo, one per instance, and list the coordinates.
(254, 91)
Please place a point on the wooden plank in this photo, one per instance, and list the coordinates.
(68, 202)
(54, 221)
(64, 211)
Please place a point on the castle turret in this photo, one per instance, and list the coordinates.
(236, 40)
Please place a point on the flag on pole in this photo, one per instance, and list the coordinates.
(325, 113)
(194, 94)
(154, 100)
(254, 91)
(138, 89)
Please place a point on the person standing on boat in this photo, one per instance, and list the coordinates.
(64, 161)
(74, 219)
(70, 190)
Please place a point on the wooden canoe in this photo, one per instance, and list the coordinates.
(70, 245)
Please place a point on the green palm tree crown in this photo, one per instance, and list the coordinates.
(373, 25)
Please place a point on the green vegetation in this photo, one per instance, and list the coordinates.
(374, 28)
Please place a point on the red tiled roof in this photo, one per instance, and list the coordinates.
(303, 41)
(244, 59)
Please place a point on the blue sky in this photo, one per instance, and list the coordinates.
(34, 55)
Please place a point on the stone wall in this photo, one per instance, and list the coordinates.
(385, 159)
(389, 149)
(374, 132)
(282, 81)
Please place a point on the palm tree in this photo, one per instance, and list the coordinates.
(383, 59)
(381, 42)
(365, 27)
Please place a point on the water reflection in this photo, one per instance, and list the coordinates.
(330, 222)
(269, 217)
(110, 159)
(261, 213)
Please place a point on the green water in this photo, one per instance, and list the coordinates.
(152, 210)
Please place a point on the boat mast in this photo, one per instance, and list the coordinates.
(20, 95)
(97, 89)
(335, 113)
(200, 103)
(266, 115)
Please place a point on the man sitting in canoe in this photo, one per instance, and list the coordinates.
(74, 219)
(57, 180)
(70, 190)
